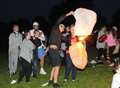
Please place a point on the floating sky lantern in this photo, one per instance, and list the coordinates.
(85, 22)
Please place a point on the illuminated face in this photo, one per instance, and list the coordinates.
(72, 30)
(16, 28)
(61, 28)
(103, 29)
(36, 27)
(67, 29)
(37, 34)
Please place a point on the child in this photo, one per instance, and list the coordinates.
(116, 78)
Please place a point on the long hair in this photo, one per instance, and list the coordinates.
(114, 33)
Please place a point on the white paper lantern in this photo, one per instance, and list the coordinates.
(85, 21)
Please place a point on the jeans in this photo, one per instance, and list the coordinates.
(35, 63)
(35, 66)
(69, 67)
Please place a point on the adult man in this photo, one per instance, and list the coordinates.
(15, 39)
(35, 60)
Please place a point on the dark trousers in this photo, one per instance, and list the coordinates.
(69, 67)
(26, 70)
(102, 51)
(111, 55)
(35, 64)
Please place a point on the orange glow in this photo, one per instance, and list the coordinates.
(78, 55)
(85, 21)
(82, 38)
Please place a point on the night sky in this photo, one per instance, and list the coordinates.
(12, 9)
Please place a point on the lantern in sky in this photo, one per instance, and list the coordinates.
(85, 22)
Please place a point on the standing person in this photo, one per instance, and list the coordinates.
(15, 39)
(37, 54)
(72, 39)
(26, 56)
(101, 45)
(54, 46)
(42, 39)
(35, 61)
(36, 42)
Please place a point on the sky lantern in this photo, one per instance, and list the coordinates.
(85, 22)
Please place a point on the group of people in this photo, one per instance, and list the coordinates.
(108, 49)
(23, 48)
(30, 47)
(108, 45)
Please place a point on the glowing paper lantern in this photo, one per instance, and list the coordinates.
(78, 55)
(85, 21)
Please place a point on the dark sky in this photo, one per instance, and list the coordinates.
(107, 7)
(11, 9)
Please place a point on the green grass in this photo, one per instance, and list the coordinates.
(99, 77)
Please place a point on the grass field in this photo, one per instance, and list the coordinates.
(99, 77)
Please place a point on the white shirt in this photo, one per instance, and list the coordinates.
(116, 81)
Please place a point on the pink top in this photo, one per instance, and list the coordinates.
(73, 40)
(110, 40)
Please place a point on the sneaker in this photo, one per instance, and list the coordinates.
(50, 82)
(45, 84)
(42, 72)
(13, 81)
(55, 85)
(73, 80)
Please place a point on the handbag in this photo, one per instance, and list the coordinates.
(41, 51)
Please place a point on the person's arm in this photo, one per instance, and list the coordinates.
(11, 45)
(47, 49)
(63, 17)
(20, 41)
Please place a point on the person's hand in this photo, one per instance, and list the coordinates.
(67, 51)
(70, 13)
